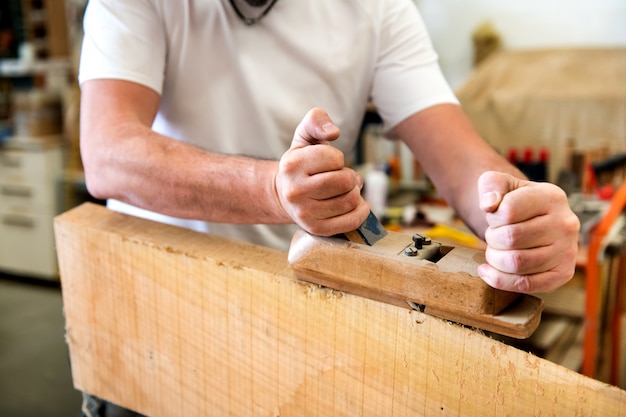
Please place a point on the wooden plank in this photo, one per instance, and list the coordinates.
(170, 322)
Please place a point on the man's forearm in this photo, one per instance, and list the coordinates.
(173, 178)
(125, 159)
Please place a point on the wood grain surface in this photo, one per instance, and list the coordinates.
(170, 322)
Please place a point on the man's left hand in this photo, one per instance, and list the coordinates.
(532, 234)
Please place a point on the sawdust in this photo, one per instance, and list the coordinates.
(310, 290)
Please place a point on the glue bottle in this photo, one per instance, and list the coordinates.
(376, 188)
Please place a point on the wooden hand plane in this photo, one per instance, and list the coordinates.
(415, 272)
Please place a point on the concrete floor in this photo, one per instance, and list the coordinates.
(35, 374)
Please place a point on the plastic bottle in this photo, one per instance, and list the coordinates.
(376, 190)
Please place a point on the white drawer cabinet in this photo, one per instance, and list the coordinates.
(29, 200)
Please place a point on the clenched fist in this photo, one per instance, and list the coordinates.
(532, 238)
(312, 184)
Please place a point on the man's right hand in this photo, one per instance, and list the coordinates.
(313, 186)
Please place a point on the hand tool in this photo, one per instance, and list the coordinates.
(416, 272)
(370, 231)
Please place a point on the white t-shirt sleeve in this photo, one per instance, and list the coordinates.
(123, 40)
(407, 77)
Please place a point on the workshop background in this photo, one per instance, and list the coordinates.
(543, 80)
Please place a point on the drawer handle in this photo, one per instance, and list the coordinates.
(19, 221)
(16, 191)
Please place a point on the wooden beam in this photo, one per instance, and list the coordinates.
(171, 322)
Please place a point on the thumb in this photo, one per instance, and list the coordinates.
(315, 128)
(493, 186)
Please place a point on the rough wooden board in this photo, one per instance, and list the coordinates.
(170, 322)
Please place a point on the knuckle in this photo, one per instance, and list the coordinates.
(289, 163)
(330, 156)
(572, 224)
(354, 222)
(346, 203)
(515, 261)
(316, 229)
(523, 283)
(567, 267)
(336, 155)
(341, 184)
(506, 213)
(496, 281)
(354, 198)
(559, 194)
(512, 234)
(291, 193)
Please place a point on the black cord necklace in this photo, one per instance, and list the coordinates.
(252, 20)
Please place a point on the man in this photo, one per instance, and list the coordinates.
(189, 110)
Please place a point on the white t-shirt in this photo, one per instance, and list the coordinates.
(236, 89)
